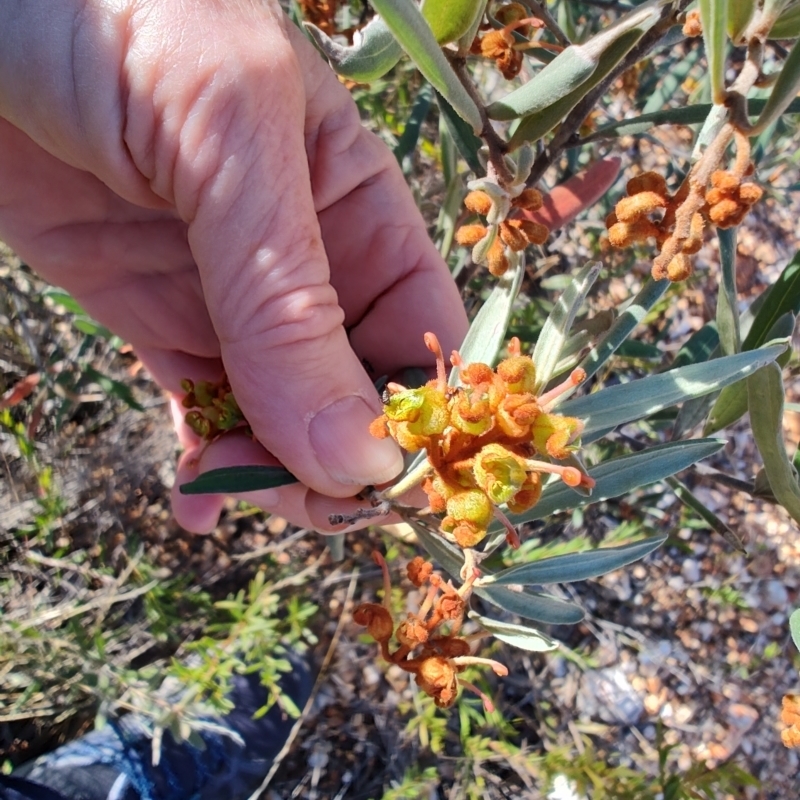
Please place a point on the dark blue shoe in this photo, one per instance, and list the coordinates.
(115, 763)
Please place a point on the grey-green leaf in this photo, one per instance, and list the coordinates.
(782, 297)
(794, 627)
(714, 14)
(731, 405)
(487, 332)
(533, 605)
(522, 636)
(783, 92)
(404, 20)
(636, 311)
(571, 68)
(373, 53)
(787, 26)
(619, 476)
(576, 566)
(727, 309)
(556, 328)
(765, 392)
(617, 405)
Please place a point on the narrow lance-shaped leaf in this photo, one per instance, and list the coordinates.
(487, 332)
(617, 405)
(410, 136)
(373, 53)
(714, 14)
(731, 405)
(619, 476)
(466, 141)
(534, 126)
(571, 68)
(794, 627)
(739, 13)
(404, 20)
(783, 92)
(727, 310)
(684, 115)
(575, 566)
(522, 636)
(765, 390)
(622, 328)
(234, 480)
(556, 328)
(531, 605)
(782, 297)
(787, 26)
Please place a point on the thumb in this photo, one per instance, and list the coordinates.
(239, 176)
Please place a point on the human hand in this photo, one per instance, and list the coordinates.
(194, 174)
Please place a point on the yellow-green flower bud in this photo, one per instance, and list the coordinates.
(499, 472)
(553, 433)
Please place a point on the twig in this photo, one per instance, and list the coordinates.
(540, 10)
(497, 146)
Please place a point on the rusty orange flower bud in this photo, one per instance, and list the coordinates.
(630, 209)
(534, 232)
(624, 234)
(378, 427)
(749, 193)
(376, 619)
(725, 214)
(478, 202)
(419, 570)
(470, 235)
(512, 236)
(437, 677)
(714, 196)
(693, 25)
(529, 199)
(680, 268)
(724, 180)
(790, 709)
(496, 259)
(791, 737)
(647, 182)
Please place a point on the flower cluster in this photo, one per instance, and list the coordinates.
(650, 211)
(481, 439)
(491, 245)
(633, 221)
(434, 657)
(693, 26)
(214, 409)
(790, 715)
(729, 199)
(500, 45)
